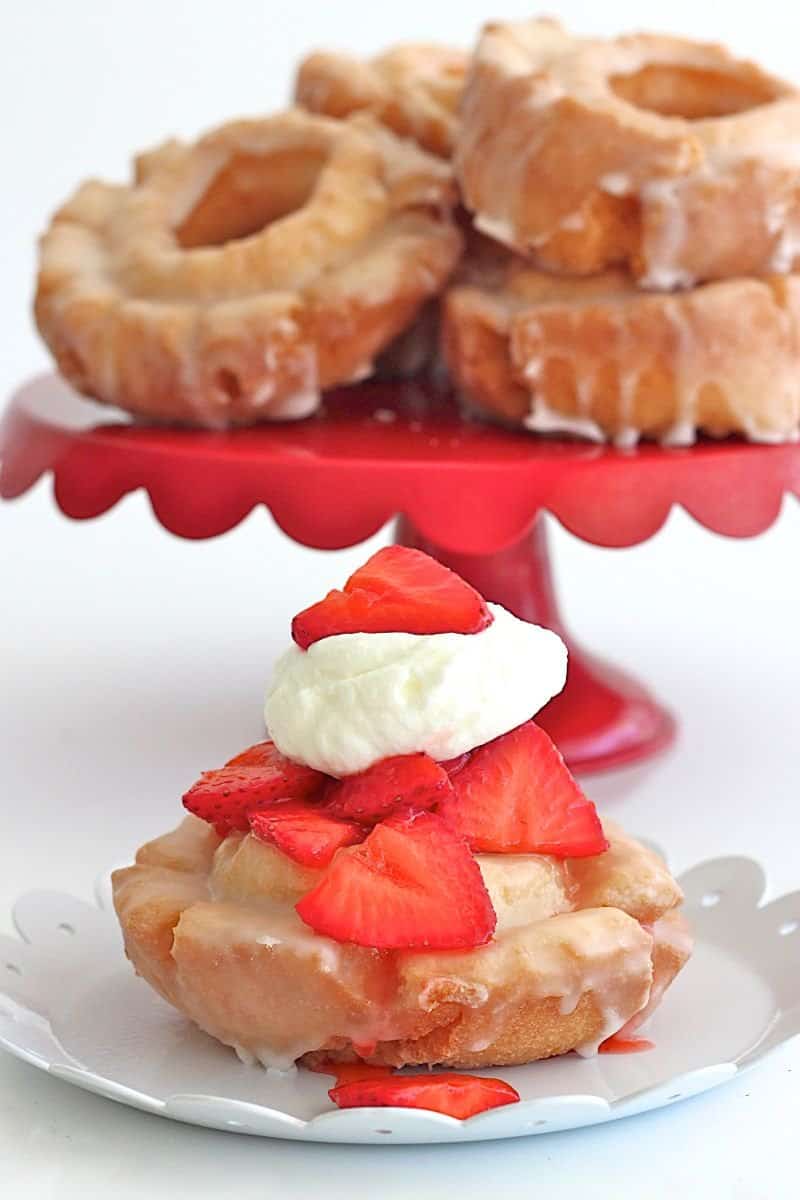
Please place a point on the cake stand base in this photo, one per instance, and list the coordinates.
(603, 718)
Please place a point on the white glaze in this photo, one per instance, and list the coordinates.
(627, 435)
(696, 358)
(690, 376)
(305, 399)
(662, 254)
(498, 228)
(285, 326)
(362, 371)
(787, 246)
(599, 951)
(627, 438)
(669, 199)
(297, 405)
(283, 1065)
(616, 183)
(612, 1023)
(543, 419)
(263, 393)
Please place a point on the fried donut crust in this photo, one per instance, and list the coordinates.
(236, 278)
(211, 925)
(667, 155)
(414, 89)
(602, 359)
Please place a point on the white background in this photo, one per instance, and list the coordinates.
(128, 659)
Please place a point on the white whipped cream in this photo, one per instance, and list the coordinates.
(352, 699)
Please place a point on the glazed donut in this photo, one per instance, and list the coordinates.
(669, 156)
(236, 277)
(581, 948)
(413, 89)
(598, 358)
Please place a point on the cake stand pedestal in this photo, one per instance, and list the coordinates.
(469, 493)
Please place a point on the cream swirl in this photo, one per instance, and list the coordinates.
(352, 699)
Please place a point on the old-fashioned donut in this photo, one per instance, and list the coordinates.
(237, 277)
(414, 89)
(667, 155)
(597, 357)
(579, 951)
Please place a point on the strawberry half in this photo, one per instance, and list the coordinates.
(412, 781)
(398, 590)
(308, 835)
(413, 884)
(516, 796)
(460, 1096)
(256, 778)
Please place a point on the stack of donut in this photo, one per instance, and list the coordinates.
(649, 191)
(621, 266)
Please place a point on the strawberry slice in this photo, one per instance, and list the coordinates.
(624, 1045)
(516, 796)
(254, 779)
(413, 884)
(262, 754)
(398, 590)
(460, 1096)
(412, 781)
(308, 835)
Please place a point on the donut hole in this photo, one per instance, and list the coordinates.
(249, 193)
(694, 93)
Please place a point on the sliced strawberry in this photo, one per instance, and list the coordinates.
(516, 796)
(256, 778)
(412, 781)
(458, 1096)
(398, 590)
(262, 754)
(308, 835)
(413, 884)
(350, 1072)
(624, 1045)
(299, 780)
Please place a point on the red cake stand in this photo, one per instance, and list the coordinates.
(469, 493)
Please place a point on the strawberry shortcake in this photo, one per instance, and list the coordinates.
(406, 873)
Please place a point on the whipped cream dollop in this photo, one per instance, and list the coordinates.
(352, 699)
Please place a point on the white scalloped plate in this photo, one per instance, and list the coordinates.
(70, 1005)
